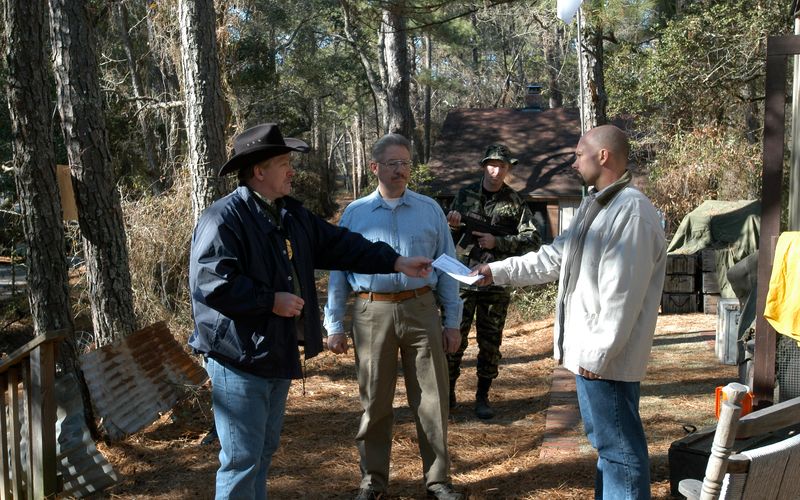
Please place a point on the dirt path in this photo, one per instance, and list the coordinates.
(501, 458)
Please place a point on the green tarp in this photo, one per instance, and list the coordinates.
(729, 227)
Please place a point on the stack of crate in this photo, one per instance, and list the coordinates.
(680, 295)
(708, 267)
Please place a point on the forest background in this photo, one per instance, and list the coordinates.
(142, 98)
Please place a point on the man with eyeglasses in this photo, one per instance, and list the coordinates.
(394, 313)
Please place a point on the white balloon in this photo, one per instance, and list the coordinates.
(566, 9)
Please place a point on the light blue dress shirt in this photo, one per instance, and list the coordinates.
(415, 227)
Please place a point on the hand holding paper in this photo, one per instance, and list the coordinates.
(455, 269)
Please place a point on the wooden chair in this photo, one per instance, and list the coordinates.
(768, 472)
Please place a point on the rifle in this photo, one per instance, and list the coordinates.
(475, 222)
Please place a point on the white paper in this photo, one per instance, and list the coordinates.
(566, 9)
(456, 269)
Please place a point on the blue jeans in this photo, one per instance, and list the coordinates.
(248, 414)
(610, 412)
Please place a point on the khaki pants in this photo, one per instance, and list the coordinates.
(380, 330)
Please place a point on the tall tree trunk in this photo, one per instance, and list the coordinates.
(358, 146)
(317, 157)
(595, 98)
(353, 163)
(164, 84)
(752, 120)
(316, 125)
(29, 92)
(476, 55)
(386, 109)
(426, 120)
(153, 168)
(398, 75)
(553, 62)
(99, 213)
(205, 116)
(522, 80)
(375, 79)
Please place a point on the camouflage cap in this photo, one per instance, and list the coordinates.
(498, 152)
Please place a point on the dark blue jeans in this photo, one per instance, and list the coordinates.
(610, 412)
(248, 414)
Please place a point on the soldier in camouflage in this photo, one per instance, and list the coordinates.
(502, 211)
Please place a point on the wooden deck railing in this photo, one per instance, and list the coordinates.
(27, 380)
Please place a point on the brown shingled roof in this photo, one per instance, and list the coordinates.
(543, 141)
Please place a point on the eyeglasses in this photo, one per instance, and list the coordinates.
(396, 164)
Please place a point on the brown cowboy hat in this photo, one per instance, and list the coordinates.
(258, 144)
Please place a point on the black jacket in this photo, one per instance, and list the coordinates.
(238, 261)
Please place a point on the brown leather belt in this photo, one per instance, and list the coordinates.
(394, 297)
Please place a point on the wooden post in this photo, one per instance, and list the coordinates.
(778, 50)
(5, 472)
(43, 419)
(14, 433)
(729, 414)
(25, 418)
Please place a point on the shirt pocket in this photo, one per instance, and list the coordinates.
(424, 245)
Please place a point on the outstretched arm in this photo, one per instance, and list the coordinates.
(413, 267)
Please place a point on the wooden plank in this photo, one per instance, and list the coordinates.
(23, 352)
(679, 283)
(783, 45)
(5, 473)
(681, 264)
(769, 419)
(25, 378)
(738, 464)
(678, 303)
(710, 282)
(14, 434)
(772, 176)
(43, 420)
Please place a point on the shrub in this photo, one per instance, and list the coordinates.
(707, 163)
(532, 303)
(159, 230)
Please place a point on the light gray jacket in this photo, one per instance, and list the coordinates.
(606, 324)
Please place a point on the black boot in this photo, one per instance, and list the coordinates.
(482, 408)
(453, 402)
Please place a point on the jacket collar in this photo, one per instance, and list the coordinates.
(254, 205)
(608, 193)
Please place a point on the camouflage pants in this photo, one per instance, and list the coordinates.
(489, 309)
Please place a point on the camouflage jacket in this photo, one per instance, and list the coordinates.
(504, 209)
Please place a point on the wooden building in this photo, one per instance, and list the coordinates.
(542, 140)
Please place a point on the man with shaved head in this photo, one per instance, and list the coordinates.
(610, 266)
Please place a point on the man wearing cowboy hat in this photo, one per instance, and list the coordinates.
(493, 201)
(254, 299)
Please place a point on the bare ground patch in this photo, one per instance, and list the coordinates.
(495, 459)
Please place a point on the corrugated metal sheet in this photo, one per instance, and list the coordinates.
(135, 379)
(82, 469)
